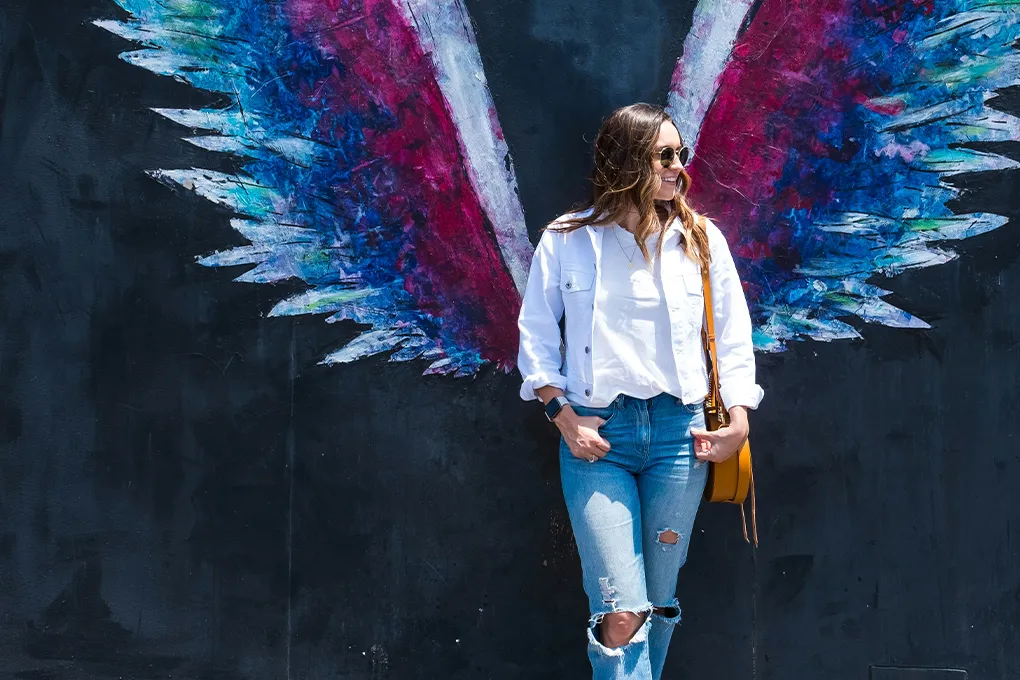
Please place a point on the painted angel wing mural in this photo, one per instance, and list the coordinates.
(826, 131)
(374, 170)
(373, 167)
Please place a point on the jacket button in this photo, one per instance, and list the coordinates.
(587, 350)
(568, 285)
(587, 393)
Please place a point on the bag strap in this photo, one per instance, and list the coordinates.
(715, 396)
(708, 341)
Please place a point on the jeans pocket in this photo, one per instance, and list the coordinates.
(696, 407)
(606, 413)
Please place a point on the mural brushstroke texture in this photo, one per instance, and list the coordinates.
(826, 150)
(375, 170)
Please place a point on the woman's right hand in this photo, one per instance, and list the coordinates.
(582, 435)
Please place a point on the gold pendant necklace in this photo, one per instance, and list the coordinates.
(630, 258)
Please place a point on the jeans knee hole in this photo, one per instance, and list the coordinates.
(668, 537)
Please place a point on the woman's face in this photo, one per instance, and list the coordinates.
(668, 177)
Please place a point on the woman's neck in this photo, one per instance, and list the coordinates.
(630, 220)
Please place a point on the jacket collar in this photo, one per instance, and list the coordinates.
(596, 234)
(676, 226)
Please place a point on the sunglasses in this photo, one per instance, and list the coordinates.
(668, 155)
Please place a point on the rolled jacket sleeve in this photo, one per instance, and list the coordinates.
(734, 343)
(540, 357)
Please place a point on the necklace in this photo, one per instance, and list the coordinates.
(630, 258)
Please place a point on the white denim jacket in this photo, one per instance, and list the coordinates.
(564, 281)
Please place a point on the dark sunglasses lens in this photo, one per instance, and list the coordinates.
(668, 155)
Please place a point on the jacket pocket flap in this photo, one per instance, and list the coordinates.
(576, 280)
(694, 284)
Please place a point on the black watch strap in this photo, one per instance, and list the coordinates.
(555, 405)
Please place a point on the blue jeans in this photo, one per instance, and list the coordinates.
(632, 513)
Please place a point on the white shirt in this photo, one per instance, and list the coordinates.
(635, 352)
(566, 280)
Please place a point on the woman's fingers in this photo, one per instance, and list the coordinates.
(595, 447)
(703, 442)
(716, 451)
(590, 439)
(590, 455)
(589, 442)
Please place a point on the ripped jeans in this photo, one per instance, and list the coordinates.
(632, 513)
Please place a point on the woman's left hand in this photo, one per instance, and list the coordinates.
(718, 445)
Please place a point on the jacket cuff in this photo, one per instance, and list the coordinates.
(748, 396)
(538, 380)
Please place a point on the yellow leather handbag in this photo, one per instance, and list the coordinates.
(732, 480)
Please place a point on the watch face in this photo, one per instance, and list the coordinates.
(554, 406)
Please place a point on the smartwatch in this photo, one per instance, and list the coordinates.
(555, 405)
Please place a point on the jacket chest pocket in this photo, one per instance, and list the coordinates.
(695, 296)
(687, 304)
(694, 286)
(684, 291)
(576, 281)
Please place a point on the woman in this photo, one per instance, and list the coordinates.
(628, 387)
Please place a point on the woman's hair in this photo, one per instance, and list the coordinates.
(623, 178)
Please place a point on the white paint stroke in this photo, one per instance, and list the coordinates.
(445, 32)
(707, 51)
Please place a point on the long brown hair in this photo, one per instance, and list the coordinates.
(623, 178)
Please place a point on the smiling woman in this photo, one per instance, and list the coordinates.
(254, 187)
(624, 271)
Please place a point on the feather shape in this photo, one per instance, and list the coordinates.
(373, 166)
(825, 150)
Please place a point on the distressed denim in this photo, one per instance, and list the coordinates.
(650, 483)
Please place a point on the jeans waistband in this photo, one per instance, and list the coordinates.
(624, 399)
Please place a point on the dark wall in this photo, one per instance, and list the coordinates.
(184, 492)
